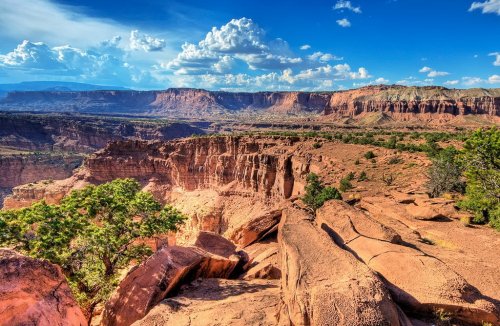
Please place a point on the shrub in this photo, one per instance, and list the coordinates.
(370, 155)
(357, 162)
(363, 176)
(481, 160)
(317, 194)
(445, 174)
(395, 160)
(317, 145)
(351, 176)
(345, 185)
(92, 234)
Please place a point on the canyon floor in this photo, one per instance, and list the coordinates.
(251, 252)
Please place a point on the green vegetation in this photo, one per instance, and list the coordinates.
(395, 160)
(445, 174)
(317, 194)
(481, 162)
(345, 184)
(362, 176)
(370, 155)
(316, 145)
(92, 234)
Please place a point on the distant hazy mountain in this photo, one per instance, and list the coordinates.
(54, 86)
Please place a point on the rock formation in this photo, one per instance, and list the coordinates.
(35, 292)
(401, 102)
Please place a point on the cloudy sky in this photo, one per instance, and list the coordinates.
(252, 45)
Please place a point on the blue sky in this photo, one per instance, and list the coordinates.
(252, 45)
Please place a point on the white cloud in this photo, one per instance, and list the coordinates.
(494, 79)
(305, 47)
(104, 64)
(487, 7)
(378, 81)
(54, 23)
(145, 42)
(497, 58)
(323, 57)
(344, 22)
(452, 82)
(433, 73)
(471, 81)
(342, 4)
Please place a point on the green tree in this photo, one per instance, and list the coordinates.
(481, 159)
(445, 174)
(92, 234)
(317, 194)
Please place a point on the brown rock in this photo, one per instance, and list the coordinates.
(417, 281)
(163, 272)
(256, 228)
(323, 284)
(214, 302)
(35, 292)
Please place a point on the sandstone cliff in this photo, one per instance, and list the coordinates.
(399, 101)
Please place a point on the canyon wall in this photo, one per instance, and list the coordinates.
(393, 100)
(81, 134)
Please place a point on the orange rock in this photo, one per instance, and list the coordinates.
(35, 292)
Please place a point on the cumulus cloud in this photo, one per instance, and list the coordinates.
(145, 42)
(487, 7)
(475, 81)
(305, 47)
(341, 5)
(378, 81)
(497, 58)
(344, 22)
(104, 63)
(432, 72)
(452, 82)
(494, 79)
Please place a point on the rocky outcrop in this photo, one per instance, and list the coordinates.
(215, 302)
(263, 261)
(324, 285)
(417, 281)
(398, 101)
(163, 273)
(21, 169)
(35, 292)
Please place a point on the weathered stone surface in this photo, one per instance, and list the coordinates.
(35, 292)
(219, 302)
(263, 261)
(417, 281)
(323, 284)
(256, 228)
(162, 273)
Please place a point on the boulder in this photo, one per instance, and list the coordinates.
(262, 261)
(256, 228)
(218, 302)
(163, 273)
(322, 284)
(35, 292)
(418, 282)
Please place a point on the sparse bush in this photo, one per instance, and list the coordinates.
(317, 145)
(445, 174)
(351, 176)
(317, 194)
(370, 155)
(363, 176)
(357, 162)
(389, 179)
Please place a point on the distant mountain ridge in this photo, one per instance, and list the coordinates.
(54, 86)
(399, 102)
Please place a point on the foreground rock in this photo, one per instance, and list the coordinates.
(418, 282)
(323, 284)
(263, 261)
(163, 273)
(219, 302)
(35, 292)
